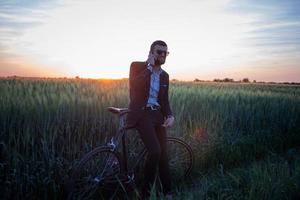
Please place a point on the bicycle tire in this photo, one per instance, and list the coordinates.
(89, 180)
(181, 159)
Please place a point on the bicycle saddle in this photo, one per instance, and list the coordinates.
(119, 111)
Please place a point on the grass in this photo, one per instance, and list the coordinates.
(271, 178)
(241, 130)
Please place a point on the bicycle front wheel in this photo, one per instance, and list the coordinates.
(181, 159)
(96, 175)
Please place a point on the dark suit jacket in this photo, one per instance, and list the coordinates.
(139, 85)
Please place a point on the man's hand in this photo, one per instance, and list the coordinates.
(169, 122)
(151, 59)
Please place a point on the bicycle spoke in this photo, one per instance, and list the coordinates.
(109, 163)
(96, 175)
(180, 158)
(184, 154)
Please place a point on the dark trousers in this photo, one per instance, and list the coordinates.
(153, 136)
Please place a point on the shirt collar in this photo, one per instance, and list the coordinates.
(151, 69)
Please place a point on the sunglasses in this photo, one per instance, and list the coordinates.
(159, 52)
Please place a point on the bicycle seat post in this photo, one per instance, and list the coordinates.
(122, 122)
(124, 152)
(121, 132)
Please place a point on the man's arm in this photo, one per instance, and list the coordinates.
(137, 74)
(137, 80)
(168, 108)
(169, 121)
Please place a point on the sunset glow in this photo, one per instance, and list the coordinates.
(97, 39)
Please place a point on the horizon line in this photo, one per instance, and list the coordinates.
(231, 80)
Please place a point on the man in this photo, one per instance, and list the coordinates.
(151, 113)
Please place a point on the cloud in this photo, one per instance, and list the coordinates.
(276, 25)
(15, 18)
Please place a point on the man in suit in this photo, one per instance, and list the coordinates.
(151, 113)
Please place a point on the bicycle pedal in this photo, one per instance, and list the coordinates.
(130, 178)
(97, 179)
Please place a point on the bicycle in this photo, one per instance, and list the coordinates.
(104, 172)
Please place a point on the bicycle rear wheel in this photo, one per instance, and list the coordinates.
(181, 159)
(97, 175)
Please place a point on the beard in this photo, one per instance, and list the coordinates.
(159, 62)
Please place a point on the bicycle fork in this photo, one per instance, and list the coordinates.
(130, 176)
(113, 146)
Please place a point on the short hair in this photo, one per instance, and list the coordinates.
(157, 42)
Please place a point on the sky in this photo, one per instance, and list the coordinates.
(207, 39)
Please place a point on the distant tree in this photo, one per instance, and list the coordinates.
(174, 80)
(197, 80)
(216, 80)
(246, 80)
(295, 83)
(228, 80)
(254, 81)
(77, 77)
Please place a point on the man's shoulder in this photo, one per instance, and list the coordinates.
(164, 73)
(138, 64)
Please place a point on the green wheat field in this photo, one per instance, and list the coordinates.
(245, 136)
